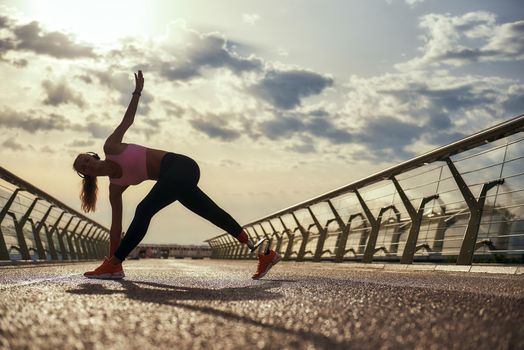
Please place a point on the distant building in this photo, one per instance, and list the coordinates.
(164, 251)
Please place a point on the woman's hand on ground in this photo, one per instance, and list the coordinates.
(139, 82)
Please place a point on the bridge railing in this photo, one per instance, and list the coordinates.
(35, 226)
(460, 203)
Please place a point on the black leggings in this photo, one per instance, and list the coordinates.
(178, 180)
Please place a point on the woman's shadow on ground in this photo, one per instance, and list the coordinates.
(172, 295)
(155, 292)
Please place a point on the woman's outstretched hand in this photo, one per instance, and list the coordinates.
(139, 82)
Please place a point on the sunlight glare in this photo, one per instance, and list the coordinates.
(98, 22)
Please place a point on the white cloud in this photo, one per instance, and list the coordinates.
(507, 40)
(250, 18)
(32, 121)
(472, 37)
(61, 93)
(32, 37)
(435, 105)
(184, 54)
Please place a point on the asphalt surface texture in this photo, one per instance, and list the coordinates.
(214, 304)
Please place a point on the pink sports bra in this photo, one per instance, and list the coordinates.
(133, 164)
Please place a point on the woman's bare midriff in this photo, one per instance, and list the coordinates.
(153, 160)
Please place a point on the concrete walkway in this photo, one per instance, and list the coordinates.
(213, 304)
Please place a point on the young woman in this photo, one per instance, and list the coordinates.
(176, 178)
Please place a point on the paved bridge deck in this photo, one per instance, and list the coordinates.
(203, 304)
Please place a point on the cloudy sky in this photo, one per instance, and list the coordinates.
(278, 101)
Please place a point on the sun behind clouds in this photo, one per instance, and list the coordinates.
(98, 22)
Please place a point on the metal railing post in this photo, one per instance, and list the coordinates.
(23, 220)
(363, 236)
(440, 231)
(396, 232)
(78, 241)
(4, 252)
(95, 243)
(71, 240)
(105, 243)
(322, 234)
(86, 240)
(264, 231)
(36, 234)
(342, 237)
(372, 238)
(55, 229)
(276, 234)
(475, 207)
(290, 239)
(256, 233)
(22, 245)
(49, 234)
(67, 254)
(51, 245)
(305, 238)
(416, 221)
(19, 227)
(92, 242)
(38, 242)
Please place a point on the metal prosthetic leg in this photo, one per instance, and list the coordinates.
(255, 246)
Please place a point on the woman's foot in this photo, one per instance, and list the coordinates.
(265, 263)
(107, 271)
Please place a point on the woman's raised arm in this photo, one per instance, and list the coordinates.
(117, 135)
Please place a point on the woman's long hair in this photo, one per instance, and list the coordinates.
(89, 189)
(88, 193)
